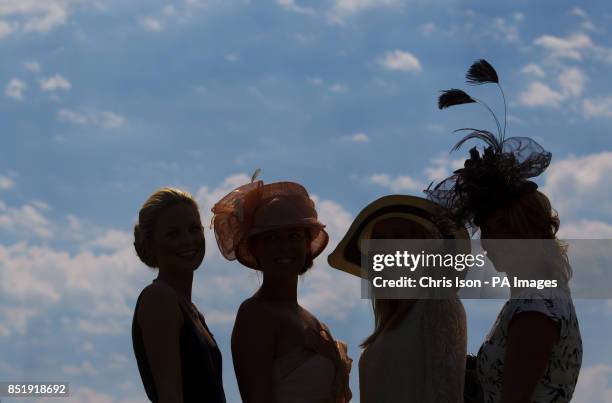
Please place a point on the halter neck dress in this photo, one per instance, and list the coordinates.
(201, 369)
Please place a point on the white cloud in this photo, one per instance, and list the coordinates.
(586, 23)
(508, 32)
(534, 69)
(356, 138)
(232, 57)
(86, 395)
(15, 89)
(220, 317)
(168, 10)
(117, 360)
(354, 6)
(17, 317)
(399, 60)
(100, 327)
(25, 220)
(594, 385)
(540, 94)
(290, 5)
(441, 167)
(580, 186)
(315, 80)
(112, 240)
(585, 229)
(597, 107)
(398, 184)
(6, 29)
(88, 117)
(428, 28)
(85, 368)
(6, 182)
(571, 47)
(88, 347)
(572, 81)
(32, 66)
(56, 82)
(151, 24)
(338, 88)
(436, 128)
(577, 11)
(35, 15)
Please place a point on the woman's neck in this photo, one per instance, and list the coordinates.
(279, 288)
(180, 281)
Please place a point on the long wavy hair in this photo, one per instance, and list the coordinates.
(388, 313)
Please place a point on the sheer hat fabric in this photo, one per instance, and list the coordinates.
(254, 208)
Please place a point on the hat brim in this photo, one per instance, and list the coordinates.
(347, 255)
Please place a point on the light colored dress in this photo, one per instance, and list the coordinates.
(421, 360)
(304, 376)
(307, 374)
(559, 380)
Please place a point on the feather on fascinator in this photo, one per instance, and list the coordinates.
(501, 173)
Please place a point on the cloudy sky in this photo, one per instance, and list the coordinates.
(102, 102)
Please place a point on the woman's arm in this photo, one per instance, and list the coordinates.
(253, 347)
(159, 317)
(531, 338)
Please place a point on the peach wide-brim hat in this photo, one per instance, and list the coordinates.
(255, 208)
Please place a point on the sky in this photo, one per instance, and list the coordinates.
(102, 102)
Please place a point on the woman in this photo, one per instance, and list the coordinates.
(281, 352)
(534, 350)
(417, 350)
(533, 353)
(177, 355)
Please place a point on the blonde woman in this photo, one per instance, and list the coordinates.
(177, 355)
(417, 350)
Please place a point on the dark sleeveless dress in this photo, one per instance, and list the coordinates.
(200, 363)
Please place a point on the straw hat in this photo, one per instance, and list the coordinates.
(347, 255)
(254, 208)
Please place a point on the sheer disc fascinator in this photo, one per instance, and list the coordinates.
(500, 174)
(254, 208)
(347, 255)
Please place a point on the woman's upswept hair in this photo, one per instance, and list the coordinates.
(150, 211)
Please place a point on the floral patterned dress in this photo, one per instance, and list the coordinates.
(559, 380)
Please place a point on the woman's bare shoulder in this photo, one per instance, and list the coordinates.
(256, 309)
(158, 302)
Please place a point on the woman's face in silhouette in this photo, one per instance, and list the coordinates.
(500, 243)
(280, 250)
(178, 238)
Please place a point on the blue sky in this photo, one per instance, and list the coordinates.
(104, 101)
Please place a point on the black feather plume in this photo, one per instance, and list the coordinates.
(481, 72)
(454, 97)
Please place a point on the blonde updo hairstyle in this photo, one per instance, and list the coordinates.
(148, 215)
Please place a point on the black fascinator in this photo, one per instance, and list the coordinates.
(489, 180)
